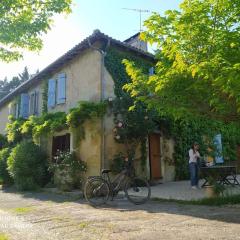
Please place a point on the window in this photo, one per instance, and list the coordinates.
(33, 105)
(51, 93)
(151, 71)
(14, 110)
(57, 90)
(60, 143)
(24, 105)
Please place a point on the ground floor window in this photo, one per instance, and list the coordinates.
(60, 143)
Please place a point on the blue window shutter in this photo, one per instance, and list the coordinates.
(151, 71)
(51, 93)
(61, 88)
(24, 107)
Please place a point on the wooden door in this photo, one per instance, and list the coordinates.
(155, 156)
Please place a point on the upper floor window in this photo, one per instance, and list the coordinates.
(14, 109)
(26, 105)
(33, 103)
(57, 90)
(151, 71)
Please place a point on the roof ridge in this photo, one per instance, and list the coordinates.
(70, 54)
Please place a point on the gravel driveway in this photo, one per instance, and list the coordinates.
(46, 216)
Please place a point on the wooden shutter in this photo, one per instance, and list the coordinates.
(24, 106)
(61, 88)
(51, 93)
(151, 71)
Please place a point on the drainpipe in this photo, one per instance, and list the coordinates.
(102, 97)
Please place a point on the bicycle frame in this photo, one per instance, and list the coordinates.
(118, 180)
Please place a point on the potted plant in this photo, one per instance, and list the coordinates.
(67, 170)
(214, 189)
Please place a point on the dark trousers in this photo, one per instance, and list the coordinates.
(193, 168)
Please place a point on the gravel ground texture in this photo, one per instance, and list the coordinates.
(30, 216)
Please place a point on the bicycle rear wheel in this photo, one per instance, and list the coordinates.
(96, 191)
(137, 190)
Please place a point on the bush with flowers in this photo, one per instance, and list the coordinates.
(67, 170)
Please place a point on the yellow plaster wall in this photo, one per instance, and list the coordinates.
(83, 76)
(4, 112)
(167, 159)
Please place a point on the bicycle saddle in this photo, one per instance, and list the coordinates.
(106, 171)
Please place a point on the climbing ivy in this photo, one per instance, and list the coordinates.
(45, 97)
(132, 124)
(34, 126)
(202, 130)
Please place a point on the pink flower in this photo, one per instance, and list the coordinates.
(120, 124)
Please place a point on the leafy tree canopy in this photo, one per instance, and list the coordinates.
(198, 61)
(22, 22)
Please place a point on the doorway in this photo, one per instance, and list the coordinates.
(60, 143)
(155, 156)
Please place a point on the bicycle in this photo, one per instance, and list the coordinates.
(98, 189)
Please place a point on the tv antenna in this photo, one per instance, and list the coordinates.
(140, 14)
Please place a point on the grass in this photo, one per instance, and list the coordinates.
(217, 201)
(22, 210)
(4, 237)
(83, 225)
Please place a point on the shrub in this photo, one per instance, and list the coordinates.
(5, 178)
(3, 141)
(68, 170)
(27, 165)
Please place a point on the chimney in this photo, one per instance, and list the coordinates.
(135, 41)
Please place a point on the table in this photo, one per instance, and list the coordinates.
(222, 174)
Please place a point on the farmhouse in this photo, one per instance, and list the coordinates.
(82, 75)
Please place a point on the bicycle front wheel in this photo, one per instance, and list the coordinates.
(137, 190)
(96, 191)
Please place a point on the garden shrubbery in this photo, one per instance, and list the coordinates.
(27, 164)
(5, 177)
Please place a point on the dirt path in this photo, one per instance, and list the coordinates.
(45, 216)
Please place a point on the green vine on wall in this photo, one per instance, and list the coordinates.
(34, 126)
(187, 131)
(45, 97)
(132, 124)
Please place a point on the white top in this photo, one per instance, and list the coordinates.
(193, 156)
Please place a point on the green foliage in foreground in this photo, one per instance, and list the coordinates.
(198, 67)
(27, 164)
(5, 178)
(23, 22)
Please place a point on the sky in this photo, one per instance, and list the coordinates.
(106, 15)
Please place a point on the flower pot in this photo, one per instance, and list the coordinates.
(63, 178)
(210, 192)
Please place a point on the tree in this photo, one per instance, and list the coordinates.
(7, 86)
(198, 61)
(22, 22)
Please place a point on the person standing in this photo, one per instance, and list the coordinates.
(193, 165)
